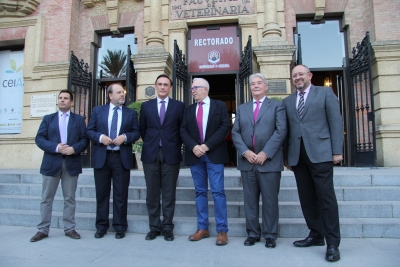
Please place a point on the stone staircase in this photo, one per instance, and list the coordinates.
(369, 202)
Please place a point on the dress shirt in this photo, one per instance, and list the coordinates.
(255, 104)
(306, 91)
(59, 122)
(159, 104)
(206, 110)
(110, 115)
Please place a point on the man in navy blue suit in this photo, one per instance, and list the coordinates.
(112, 128)
(160, 120)
(62, 137)
(204, 128)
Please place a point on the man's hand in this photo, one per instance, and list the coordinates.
(69, 151)
(119, 140)
(62, 148)
(105, 140)
(250, 156)
(337, 158)
(205, 147)
(261, 158)
(199, 151)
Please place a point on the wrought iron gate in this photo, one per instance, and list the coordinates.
(80, 84)
(180, 76)
(245, 70)
(130, 79)
(362, 105)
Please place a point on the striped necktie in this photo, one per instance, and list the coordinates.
(300, 107)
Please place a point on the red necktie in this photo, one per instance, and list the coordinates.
(199, 119)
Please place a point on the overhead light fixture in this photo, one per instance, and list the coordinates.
(327, 82)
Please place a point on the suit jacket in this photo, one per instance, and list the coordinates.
(321, 126)
(216, 131)
(269, 130)
(98, 125)
(48, 138)
(151, 131)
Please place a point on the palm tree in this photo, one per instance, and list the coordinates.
(114, 63)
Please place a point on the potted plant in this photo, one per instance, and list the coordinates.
(137, 147)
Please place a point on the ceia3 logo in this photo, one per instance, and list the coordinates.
(214, 57)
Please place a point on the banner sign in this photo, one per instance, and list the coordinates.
(11, 91)
(194, 9)
(43, 104)
(214, 50)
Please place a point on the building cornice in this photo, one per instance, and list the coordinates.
(20, 8)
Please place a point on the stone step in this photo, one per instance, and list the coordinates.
(347, 209)
(288, 227)
(361, 193)
(343, 177)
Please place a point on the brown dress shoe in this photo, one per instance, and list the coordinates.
(39, 236)
(222, 239)
(73, 234)
(200, 234)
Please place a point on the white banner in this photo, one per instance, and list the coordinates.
(11, 91)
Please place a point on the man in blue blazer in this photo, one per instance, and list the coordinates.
(113, 128)
(160, 120)
(204, 128)
(62, 137)
(314, 144)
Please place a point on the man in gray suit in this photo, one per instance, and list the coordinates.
(314, 144)
(258, 134)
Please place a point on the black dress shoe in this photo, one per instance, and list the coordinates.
(251, 240)
(332, 253)
(308, 242)
(39, 236)
(119, 235)
(168, 235)
(152, 234)
(270, 243)
(100, 234)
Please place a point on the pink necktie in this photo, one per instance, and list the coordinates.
(63, 128)
(162, 114)
(255, 114)
(199, 119)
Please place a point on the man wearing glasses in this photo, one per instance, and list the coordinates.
(204, 128)
(314, 144)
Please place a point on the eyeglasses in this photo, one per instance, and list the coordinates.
(197, 87)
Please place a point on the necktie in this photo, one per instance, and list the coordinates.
(162, 114)
(300, 107)
(114, 123)
(255, 114)
(199, 119)
(63, 128)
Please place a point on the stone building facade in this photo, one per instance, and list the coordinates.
(47, 30)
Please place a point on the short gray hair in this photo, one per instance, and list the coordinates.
(206, 84)
(258, 75)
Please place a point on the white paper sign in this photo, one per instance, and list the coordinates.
(11, 91)
(43, 104)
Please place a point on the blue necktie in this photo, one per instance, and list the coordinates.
(162, 115)
(114, 126)
(300, 107)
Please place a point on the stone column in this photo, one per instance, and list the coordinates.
(155, 37)
(274, 54)
(386, 78)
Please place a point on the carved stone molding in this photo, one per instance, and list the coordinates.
(98, 10)
(247, 19)
(20, 8)
(129, 6)
(174, 25)
(319, 9)
(91, 3)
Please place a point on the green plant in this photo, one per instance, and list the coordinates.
(276, 98)
(114, 63)
(136, 106)
(137, 147)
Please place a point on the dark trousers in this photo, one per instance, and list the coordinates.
(161, 179)
(317, 197)
(115, 171)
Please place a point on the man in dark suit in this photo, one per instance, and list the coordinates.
(112, 128)
(204, 128)
(258, 134)
(160, 120)
(314, 144)
(62, 137)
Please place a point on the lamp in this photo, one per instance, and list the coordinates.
(327, 82)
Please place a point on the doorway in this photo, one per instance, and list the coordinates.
(223, 88)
